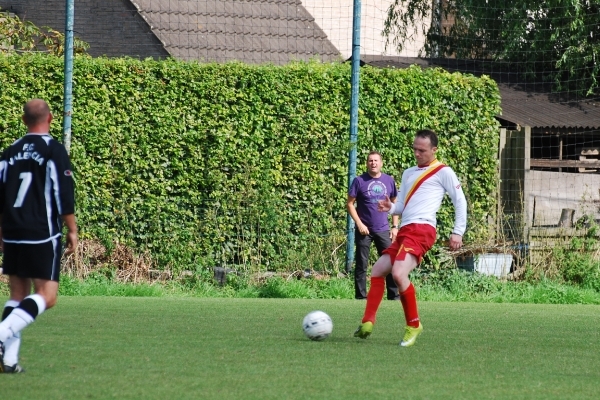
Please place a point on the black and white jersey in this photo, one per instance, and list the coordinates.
(36, 188)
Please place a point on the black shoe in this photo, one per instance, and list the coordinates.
(15, 369)
(394, 298)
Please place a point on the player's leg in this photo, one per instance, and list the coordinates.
(383, 241)
(48, 290)
(408, 298)
(363, 246)
(400, 271)
(39, 263)
(19, 289)
(21, 316)
(381, 268)
(29, 308)
(417, 240)
(9, 348)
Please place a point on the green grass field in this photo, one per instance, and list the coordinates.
(190, 348)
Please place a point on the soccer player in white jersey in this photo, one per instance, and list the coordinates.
(36, 198)
(422, 190)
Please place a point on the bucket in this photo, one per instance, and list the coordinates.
(496, 264)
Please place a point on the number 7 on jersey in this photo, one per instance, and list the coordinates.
(25, 182)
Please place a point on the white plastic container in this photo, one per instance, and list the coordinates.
(493, 264)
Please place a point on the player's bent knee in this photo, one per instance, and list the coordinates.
(399, 278)
(48, 290)
(50, 297)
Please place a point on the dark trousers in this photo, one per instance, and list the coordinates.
(363, 245)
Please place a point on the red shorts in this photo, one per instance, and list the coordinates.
(415, 239)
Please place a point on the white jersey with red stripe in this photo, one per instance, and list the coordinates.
(427, 190)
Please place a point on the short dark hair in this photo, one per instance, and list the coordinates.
(428, 134)
(35, 112)
(373, 153)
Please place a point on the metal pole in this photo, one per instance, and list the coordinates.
(437, 14)
(68, 82)
(353, 126)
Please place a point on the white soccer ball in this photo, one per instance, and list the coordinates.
(317, 325)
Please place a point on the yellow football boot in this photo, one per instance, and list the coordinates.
(364, 330)
(410, 335)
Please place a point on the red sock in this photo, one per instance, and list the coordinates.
(409, 304)
(374, 298)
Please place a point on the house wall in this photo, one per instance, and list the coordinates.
(531, 200)
(551, 192)
(335, 18)
(111, 27)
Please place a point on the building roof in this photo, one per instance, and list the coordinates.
(113, 28)
(253, 31)
(544, 110)
(522, 104)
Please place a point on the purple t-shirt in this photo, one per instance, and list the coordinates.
(368, 191)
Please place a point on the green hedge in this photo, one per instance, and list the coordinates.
(205, 164)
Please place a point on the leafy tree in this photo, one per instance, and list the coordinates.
(23, 36)
(545, 40)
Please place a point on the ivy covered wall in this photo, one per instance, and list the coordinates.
(205, 164)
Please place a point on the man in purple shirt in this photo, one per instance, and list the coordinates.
(371, 225)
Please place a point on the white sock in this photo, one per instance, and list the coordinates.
(19, 318)
(11, 350)
(14, 323)
(11, 303)
(39, 300)
(13, 343)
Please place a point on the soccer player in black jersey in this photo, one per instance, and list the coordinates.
(36, 198)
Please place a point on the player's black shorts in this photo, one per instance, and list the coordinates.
(36, 261)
